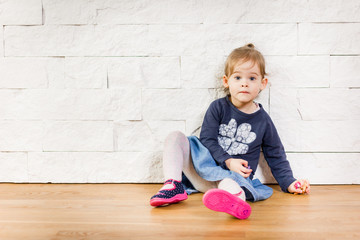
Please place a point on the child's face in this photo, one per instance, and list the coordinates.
(245, 83)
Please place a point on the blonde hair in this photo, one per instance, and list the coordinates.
(244, 53)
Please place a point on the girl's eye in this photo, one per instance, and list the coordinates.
(252, 78)
(237, 78)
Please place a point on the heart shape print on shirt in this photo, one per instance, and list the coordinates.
(234, 140)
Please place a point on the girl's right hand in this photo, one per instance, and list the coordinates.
(239, 166)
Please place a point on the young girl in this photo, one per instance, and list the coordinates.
(222, 163)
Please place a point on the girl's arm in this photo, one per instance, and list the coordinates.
(299, 187)
(240, 166)
(209, 134)
(275, 156)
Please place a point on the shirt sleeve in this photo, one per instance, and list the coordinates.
(275, 156)
(209, 135)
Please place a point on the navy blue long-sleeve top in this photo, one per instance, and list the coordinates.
(229, 133)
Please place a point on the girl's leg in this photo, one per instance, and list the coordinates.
(232, 187)
(177, 159)
(174, 155)
(173, 160)
(228, 198)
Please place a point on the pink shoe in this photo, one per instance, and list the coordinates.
(168, 196)
(222, 201)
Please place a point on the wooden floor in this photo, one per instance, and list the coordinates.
(122, 211)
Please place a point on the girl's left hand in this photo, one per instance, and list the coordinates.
(304, 186)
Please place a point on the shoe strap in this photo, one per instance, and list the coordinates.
(171, 181)
(238, 194)
(168, 181)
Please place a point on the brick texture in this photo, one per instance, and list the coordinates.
(89, 90)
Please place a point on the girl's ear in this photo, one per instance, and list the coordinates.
(264, 82)
(225, 81)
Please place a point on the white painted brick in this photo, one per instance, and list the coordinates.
(330, 11)
(140, 40)
(173, 104)
(229, 11)
(70, 167)
(284, 104)
(263, 172)
(202, 71)
(63, 103)
(314, 104)
(329, 104)
(263, 98)
(60, 40)
(67, 11)
(84, 73)
(344, 71)
(80, 104)
(221, 39)
(319, 136)
(143, 136)
(95, 167)
(126, 104)
(183, 104)
(176, 39)
(1, 41)
(13, 167)
(161, 129)
(326, 168)
(46, 40)
(20, 12)
(64, 167)
(30, 72)
(121, 40)
(334, 38)
(21, 135)
(318, 168)
(298, 71)
(249, 11)
(193, 126)
(78, 136)
(149, 72)
(291, 133)
(148, 12)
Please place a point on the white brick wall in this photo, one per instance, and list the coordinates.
(89, 89)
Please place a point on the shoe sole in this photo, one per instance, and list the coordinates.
(223, 201)
(155, 202)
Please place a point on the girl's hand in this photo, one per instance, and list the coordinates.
(299, 187)
(239, 165)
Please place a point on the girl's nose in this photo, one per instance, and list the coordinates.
(244, 84)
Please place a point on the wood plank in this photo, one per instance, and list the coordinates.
(122, 211)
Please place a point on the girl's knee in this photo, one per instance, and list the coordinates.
(229, 185)
(176, 137)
